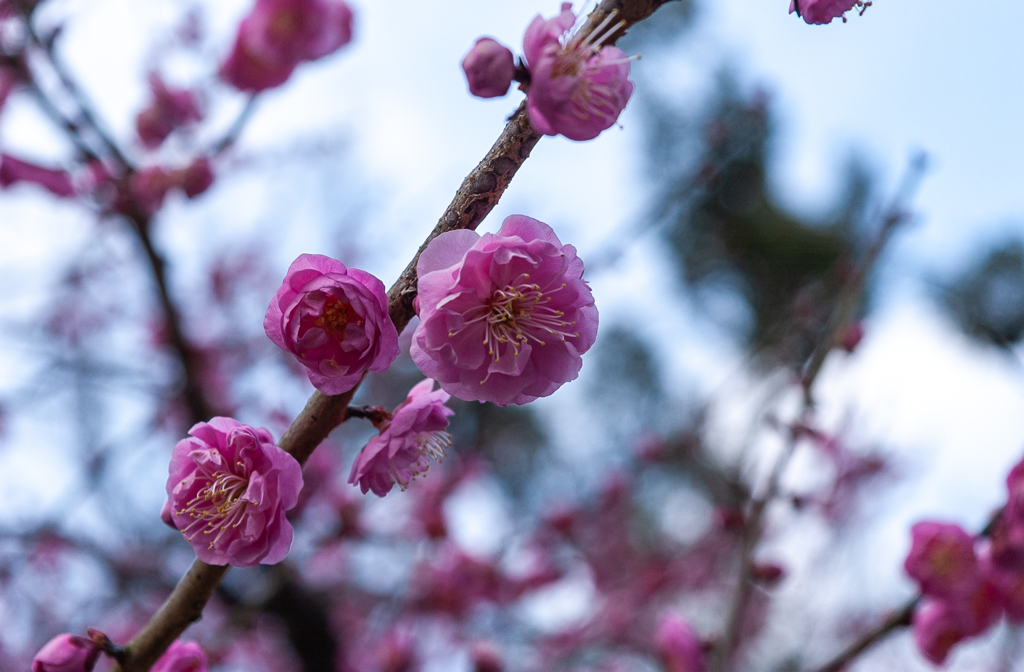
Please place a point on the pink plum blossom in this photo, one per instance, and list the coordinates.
(57, 182)
(195, 178)
(229, 487)
(1014, 511)
(504, 317)
(399, 453)
(942, 560)
(821, 11)
(181, 657)
(66, 653)
(679, 648)
(334, 320)
(1009, 587)
(279, 34)
(936, 630)
(170, 110)
(577, 86)
(490, 68)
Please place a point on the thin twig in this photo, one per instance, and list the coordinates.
(235, 130)
(199, 407)
(840, 317)
(73, 90)
(897, 620)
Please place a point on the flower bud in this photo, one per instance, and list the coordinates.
(66, 653)
(490, 68)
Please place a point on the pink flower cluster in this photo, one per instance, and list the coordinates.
(967, 581)
(504, 317)
(57, 182)
(278, 35)
(227, 492)
(414, 432)
(334, 320)
(577, 86)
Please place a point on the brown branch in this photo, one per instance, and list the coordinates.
(235, 130)
(68, 82)
(199, 407)
(475, 198)
(897, 620)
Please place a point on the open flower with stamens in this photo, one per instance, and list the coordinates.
(334, 320)
(229, 487)
(414, 432)
(504, 317)
(578, 86)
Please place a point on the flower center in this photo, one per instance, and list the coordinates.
(217, 507)
(285, 23)
(336, 316)
(516, 315)
(576, 57)
(427, 444)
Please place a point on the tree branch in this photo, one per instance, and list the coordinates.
(475, 198)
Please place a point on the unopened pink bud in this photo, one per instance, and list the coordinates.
(852, 336)
(66, 653)
(196, 178)
(170, 109)
(490, 68)
(679, 648)
(486, 659)
(181, 657)
(768, 574)
(57, 182)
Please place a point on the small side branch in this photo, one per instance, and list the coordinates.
(841, 315)
(898, 620)
(182, 608)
